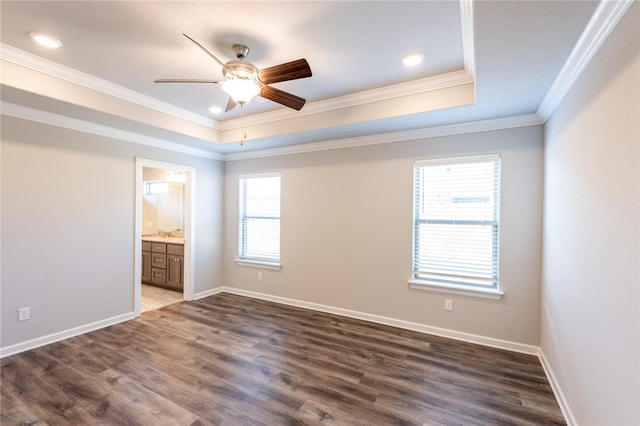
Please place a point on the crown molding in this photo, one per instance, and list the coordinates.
(31, 114)
(28, 60)
(602, 23)
(45, 66)
(45, 117)
(468, 46)
(400, 136)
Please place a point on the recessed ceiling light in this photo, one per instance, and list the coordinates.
(412, 59)
(45, 40)
(214, 109)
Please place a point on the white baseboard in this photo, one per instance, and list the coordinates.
(443, 332)
(208, 293)
(61, 335)
(557, 390)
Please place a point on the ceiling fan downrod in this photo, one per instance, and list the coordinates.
(240, 50)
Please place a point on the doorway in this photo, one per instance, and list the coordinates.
(164, 220)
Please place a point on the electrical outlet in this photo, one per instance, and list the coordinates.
(448, 305)
(23, 314)
(259, 276)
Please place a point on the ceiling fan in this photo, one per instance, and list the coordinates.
(243, 80)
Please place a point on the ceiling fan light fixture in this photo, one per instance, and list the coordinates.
(412, 59)
(241, 90)
(45, 40)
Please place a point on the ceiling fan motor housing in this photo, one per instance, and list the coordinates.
(240, 69)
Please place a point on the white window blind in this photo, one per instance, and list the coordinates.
(260, 217)
(456, 229)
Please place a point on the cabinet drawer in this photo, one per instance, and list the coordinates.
(158, 247)
(158, 276)
(158, 260)
(176, 249)
(146, 246)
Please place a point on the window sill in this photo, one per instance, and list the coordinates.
(276, 266)
(484, 293)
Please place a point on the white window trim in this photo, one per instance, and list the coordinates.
(458, 289)
(469, 159)
(462, 290)
(258, 264)
(260, 175)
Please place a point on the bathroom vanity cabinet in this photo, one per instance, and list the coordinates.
(163, 264)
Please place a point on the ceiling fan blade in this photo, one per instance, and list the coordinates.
(231, 104)
(284, 72)
(282, 97)
(184, 80)
(224, 67)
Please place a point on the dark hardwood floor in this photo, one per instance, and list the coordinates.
(232, 360)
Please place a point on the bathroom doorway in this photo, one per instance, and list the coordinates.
(163, 234)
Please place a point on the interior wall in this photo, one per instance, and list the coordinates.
(346, 232)
(68, 215)
(591, 273)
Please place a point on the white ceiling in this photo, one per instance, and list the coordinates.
(491, 60)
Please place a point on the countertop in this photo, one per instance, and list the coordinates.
(159, 239)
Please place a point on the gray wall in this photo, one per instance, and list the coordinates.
(346, 233)
(68, 215)
(591, 274)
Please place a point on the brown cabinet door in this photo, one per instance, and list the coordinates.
(146, 266)
(174, 271)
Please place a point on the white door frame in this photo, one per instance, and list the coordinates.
(189, 228)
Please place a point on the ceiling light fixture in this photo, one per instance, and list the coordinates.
(412, 59)
(45, 40)
(215, 109)
(176, 176)
(241, 90)
(241, 78)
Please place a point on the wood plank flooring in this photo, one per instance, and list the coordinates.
(230, 360)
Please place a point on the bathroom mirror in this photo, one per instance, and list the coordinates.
(162, 205)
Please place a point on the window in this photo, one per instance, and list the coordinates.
(260, 219)
(456, 223)
(156, 187)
